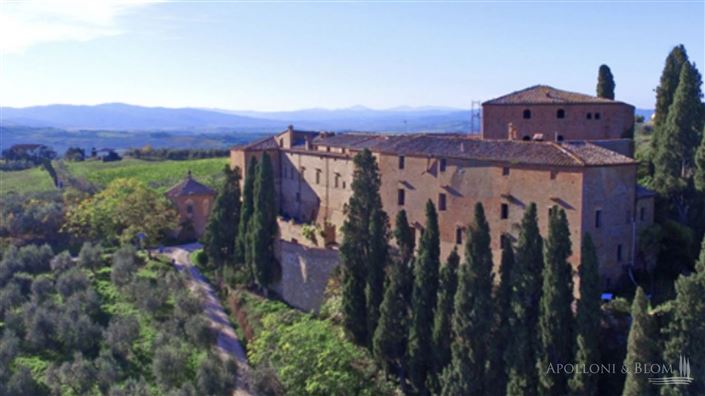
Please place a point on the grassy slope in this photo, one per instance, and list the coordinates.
(159, 175)
(25, 181)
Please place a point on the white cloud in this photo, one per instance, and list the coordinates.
(27, 23)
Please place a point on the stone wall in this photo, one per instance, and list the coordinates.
(305, 274)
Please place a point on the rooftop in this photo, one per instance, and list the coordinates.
(573, 153)
(544, 94)
(189, 186)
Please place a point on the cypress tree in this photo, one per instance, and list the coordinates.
(521, 353)
(423, 302)
(355, 247)
(605, 83)
(263, 228)
(674, 159)
(221, 231)
(378, 255)
(448, 283)
(640, 347)
(389, 341)
(472, 314)
(665, 92)
(404, 237)
(556, 316)
(668, 84)
(686, 331)
(246, 209)
(496, 373)
(699, 177)
(587, 320)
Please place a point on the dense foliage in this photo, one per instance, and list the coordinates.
(308, 356)
(149, 153)
(101, 325)
(123, 210)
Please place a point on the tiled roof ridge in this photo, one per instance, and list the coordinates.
(546, 94)
(568, 152)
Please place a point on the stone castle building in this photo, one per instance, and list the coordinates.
(565, 161)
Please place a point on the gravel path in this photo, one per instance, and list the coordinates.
(229, 346)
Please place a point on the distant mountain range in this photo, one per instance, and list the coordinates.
(121, 126)
(124, 117)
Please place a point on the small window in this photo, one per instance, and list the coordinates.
(401, 195)
(642, 214)
(189, 209)
(598, 218)
(527, 114)
(328, 149)
(318, 176)
(441, 201)
(337, 180)
(597, 116)
(560, 114)
(401, 162)
(526, 138)
(458, 236)
(343, 185)
(559, 138)
(589, 116)
(442, 165)
(619, 252)
(281, 142)
(505, 171)
(302, 173)
(504, 211)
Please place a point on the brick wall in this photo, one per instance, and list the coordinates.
(614, 120)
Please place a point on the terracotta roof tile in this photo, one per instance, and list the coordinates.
(544, 94)
(460, 146)
(189, 186)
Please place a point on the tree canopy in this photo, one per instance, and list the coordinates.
(117, 214)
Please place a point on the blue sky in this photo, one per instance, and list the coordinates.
(285, 56)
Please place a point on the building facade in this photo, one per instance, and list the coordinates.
(596, 186)
(556, 115)
(194, 202)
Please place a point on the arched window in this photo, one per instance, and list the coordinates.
(527, 114)
(560, 113)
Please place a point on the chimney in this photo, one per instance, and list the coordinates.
(511, 132)
(307, 144)
(290, 128)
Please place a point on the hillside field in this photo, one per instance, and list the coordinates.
(159, 175)
(25, 181)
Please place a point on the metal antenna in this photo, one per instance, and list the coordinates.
(475, 116)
